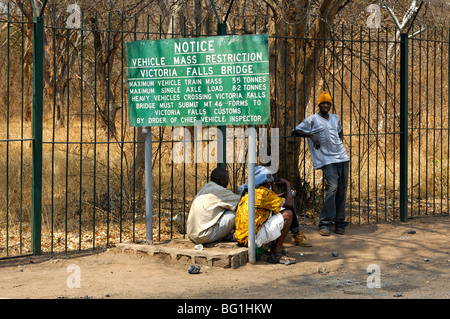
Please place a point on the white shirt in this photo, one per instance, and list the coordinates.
(208, 206)
(331, 149)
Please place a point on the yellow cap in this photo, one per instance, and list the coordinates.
(325, 97)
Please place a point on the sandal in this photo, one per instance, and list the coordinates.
(279, 258)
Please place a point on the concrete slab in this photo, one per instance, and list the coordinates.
(220, 254)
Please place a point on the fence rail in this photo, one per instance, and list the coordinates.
(92, 162)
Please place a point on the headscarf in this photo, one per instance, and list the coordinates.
(261, 176)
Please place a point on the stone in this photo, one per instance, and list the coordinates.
(322, 270)
(193, 269)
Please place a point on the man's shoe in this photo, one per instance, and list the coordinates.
(340, 231)
(324, 231)
(300, 240)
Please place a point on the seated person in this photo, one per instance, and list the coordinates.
(212, 214)
(273, 216)
(298, 238)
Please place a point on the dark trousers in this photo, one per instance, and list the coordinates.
(295, 226)
(333, 210)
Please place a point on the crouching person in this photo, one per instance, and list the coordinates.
(212, 214)
(273, 216)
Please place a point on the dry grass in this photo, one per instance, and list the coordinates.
(76, 217)
(73, 215)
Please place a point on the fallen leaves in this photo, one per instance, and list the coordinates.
(18, 242)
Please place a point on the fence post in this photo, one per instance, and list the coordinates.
(222, 30)
(36, 175)
(404, 113)
(404, 127)
(222, 156)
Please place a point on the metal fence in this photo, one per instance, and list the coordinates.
(72, 168)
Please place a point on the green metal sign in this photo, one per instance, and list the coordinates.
(221, 80)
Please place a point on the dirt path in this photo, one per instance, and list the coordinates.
(409, 266)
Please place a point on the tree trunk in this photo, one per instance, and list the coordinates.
(295, 55)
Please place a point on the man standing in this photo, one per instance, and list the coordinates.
(212, 214)
(324, 133)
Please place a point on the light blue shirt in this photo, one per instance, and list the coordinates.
(331, 149)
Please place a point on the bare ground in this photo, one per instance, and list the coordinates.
(410, 266)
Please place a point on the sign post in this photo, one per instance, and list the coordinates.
(217, 81)
(148, 185)
(251, 194)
